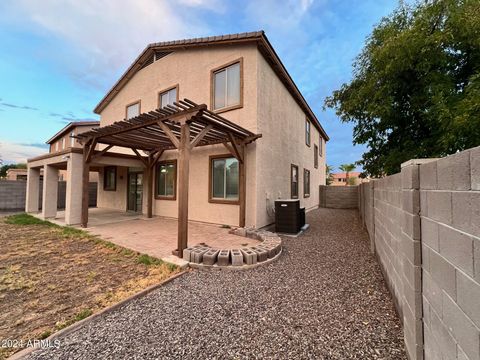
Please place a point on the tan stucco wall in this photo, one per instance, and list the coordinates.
(59, 141)
(282, 124)
(113, 199)
(191, 70)
(277, 116)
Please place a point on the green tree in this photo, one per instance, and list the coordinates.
(328, 172)
(352, 180)
(416, 85)
(347, 168)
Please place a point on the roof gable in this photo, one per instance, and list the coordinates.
(71, 126)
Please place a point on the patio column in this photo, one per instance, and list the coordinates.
(33, 190)
(50, 192)
(183, 173)
(87, 153)
(73, 199)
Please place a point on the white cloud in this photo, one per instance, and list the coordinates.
(215, 5)
(281, 16)
(16, 153)
(105, 35)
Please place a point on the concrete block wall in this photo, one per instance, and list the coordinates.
(339, 197)
(426, 231)
(13, 194)
(450, 214)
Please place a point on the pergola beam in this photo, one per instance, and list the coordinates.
(140, 157)
(169, 133)
(236, 151)
(200, 136)
(101, 153)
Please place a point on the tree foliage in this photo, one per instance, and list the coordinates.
(347, 168)
(415, 91)
(328, 173)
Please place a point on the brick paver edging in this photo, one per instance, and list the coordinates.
(69, 329)
(206, 257)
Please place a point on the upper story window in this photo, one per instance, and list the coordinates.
(224, 179)
(56, 146)
(315, 156)
(132, 110)
(227, 86)
(307, 132)
(63, 142)
(320, 149)
(72, 139)
(168, 97)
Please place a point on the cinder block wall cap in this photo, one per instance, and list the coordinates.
(417, 162)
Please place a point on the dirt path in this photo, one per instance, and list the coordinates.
(324, 298)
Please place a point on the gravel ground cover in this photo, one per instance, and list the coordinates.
(324, 298)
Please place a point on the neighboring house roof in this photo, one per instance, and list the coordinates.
(258, 37)
(344, 175)
(71, 126)
(15, 170)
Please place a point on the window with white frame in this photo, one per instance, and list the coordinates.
(306, 183)
(307, 132)
(133, 110)
(166, 180)
(227, 86)
(167, 97)
(294, 182)
(72, 139)
(224, 172)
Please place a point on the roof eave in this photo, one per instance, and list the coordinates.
(69, 126)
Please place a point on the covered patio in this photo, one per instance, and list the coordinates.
(182, 127)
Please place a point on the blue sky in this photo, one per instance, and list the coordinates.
(60, 57)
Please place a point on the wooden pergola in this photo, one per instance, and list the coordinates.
(181, 126)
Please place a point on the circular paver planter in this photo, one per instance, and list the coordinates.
(206, 257)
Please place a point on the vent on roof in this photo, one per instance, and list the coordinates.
(156, 56)
(161, 54)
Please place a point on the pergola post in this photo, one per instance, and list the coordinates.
(149, 174)
(87, 150)
(183, 173)
(242, 188)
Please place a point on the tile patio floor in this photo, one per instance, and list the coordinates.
(156, 236)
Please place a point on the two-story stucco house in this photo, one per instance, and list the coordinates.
(245, 137)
